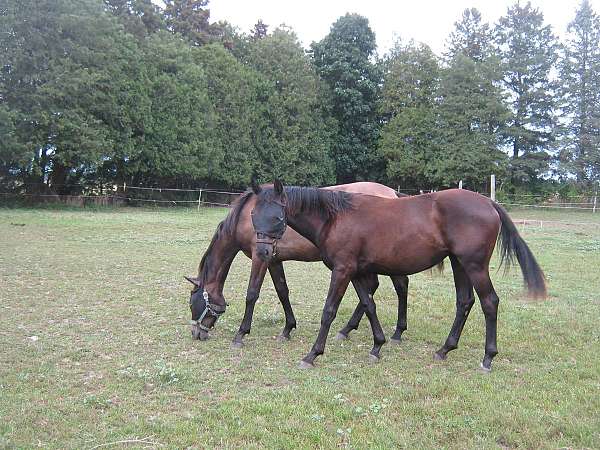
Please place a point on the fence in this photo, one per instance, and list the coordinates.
(131, 195)
(138, 196)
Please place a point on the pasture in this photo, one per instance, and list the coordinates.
(95, 348)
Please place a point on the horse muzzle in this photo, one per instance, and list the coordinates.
(266, 248)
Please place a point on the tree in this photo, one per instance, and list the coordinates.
(62, 78)
(234, 90)
(528, 50)
(139, 17)
(295, 143)
(408, 109)
(471, 111)
(190, 18)
(177, 146)
(579, 69)
(343, 60)
(470, 37)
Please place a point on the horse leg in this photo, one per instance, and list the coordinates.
(357, 315)
(464, 302)
(401, 286)
(278, 277)
(360, 284)
(257, 275)
(480, 277)
(337, 287)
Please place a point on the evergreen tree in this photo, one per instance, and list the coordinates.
(580, 81)
(408, 109)
(63, 78)
(295, 143)
(343, 60)
(528, 50)
(470, 37)
(178, 141)
(190, 18)
(471, 112)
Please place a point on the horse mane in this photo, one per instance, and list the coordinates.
(232, 219)
(205, 262)
(225, 227)
(326, 203)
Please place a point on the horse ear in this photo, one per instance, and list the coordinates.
(194, 281)
(254, 185)
(278, 186)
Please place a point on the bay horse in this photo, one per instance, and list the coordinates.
(235, 234)
(359, 235)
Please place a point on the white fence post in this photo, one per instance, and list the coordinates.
(493, 187)
(199, 199)
(460, 184)
(595, 201)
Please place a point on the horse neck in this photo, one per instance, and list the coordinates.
(309, 225)
(219, 260)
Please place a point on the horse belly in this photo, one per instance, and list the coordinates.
(405, 257)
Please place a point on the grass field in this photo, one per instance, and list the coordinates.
(95, 348)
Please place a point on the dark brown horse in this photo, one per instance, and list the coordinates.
(359, 235)
(236, 233)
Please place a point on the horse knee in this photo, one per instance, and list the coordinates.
(252, 295)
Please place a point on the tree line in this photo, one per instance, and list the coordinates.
(95, 93)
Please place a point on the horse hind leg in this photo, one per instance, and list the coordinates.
(278, 276)
(464, 302)
(489, 300)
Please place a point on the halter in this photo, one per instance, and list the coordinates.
(208, 309)
(261, 238)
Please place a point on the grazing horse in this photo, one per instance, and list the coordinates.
(236, 233)
(359, 235)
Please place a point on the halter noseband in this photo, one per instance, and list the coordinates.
(208, 309)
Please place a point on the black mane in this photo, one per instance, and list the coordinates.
(225, 227)
(313, 200)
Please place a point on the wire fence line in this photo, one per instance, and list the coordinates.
(132, 195)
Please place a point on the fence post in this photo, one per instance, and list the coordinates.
(460, 184)
(493, 187)
(595, 201)
(199, 199)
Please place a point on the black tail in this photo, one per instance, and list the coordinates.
(512, 244)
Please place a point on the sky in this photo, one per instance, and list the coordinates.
(427, 21)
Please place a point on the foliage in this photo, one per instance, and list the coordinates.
(100, 92)
(343, 60)
(528, 50)
(472, 111)
(408, 106)
(579, 69)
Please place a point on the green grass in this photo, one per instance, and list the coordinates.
(104, 294)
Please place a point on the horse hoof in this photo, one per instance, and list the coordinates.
(306, 365)
(373, 358)
(282, 338)
(341, 336)
(395, 341)
(237, 345)
(484, 369)
(437, 356)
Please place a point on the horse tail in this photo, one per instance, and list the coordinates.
(513, 245)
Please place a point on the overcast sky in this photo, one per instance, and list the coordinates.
(428, 21)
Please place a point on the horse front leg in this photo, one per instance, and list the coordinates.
(337, 287)
(359, 311)
(257, 275)
(278, 277)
